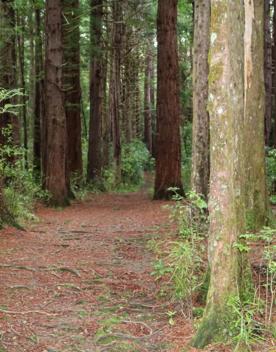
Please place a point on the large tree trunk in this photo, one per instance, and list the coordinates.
(200, 159)
(267, 70)
(56, 176)
(95, 160)
(256, 205)
(227, 195)
(8, 68)
(71, 83)
(237, 188)
(168, 147)
(38, 96)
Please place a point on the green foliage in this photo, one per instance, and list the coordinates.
(20, 190)
(135, 159)
(187, 154)
(160, 269)
(244, 328)
(6, 95)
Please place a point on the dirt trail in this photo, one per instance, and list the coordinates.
(79, 280)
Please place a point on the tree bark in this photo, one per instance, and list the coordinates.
(201, 150)
(168, 147)
(227, 193)
(115, 86)
(21, 61)
(95, 158)
(267, 71)
(147, 99)
(38, 96)
(127, 87)
(71, 84)
(56, 175)
(274, 71)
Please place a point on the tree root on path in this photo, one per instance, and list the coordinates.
(22, 267)
(12, 312)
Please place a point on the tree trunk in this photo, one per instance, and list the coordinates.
(168, 147)
(274, 71)
(267, 71)
(127, 87)
(21, 61)
(137, 98)
(201, 150)
(56, 175)
(227, 194)
(256, 204)
(38, 96)
(106, 123)
(147, 100)
(115, 86)
(8, 68)
(96, 93)
(71, 83)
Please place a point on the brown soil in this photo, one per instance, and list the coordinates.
(80, 280)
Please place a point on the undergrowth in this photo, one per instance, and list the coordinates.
(135, 160)
(20, 190)
(180, 263)
(182, 269)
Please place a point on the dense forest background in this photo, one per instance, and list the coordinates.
(105, 95)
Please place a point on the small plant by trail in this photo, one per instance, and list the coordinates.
(181, 264)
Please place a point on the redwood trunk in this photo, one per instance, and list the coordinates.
(21, 62)
(56, 133)
(168, 147)
(147, 101)
(274, 71)
(95, 159)
(115, 86)
(38, 96)
(71, 84)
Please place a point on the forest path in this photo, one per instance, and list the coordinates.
(80, 280)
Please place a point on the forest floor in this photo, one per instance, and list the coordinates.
(80, 279)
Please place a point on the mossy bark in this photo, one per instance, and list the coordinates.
(200, 159)
(227, 191)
